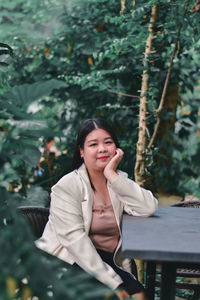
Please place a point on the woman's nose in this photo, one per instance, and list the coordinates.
(102, 148)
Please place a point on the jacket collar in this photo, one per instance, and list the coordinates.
(87, 200)
(82, 171)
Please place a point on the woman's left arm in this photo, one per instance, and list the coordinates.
(137, 201)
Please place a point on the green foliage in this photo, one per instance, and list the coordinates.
(99, 55)
(20, 131)
(187, 145)
(26, 21)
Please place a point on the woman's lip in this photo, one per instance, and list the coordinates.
(103, 157)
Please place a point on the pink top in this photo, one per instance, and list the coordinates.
(104, 231)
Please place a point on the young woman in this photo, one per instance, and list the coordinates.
(86, 210)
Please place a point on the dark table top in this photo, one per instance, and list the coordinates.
(172, 234)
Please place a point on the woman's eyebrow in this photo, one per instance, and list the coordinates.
(94, 140)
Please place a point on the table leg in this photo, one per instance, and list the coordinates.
(150, 279)
(168, 281)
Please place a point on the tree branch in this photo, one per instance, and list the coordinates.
(161, 105)
(162, 100)
(122, 94)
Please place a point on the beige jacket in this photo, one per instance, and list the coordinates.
(66, 233)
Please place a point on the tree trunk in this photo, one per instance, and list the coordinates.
(166, 126)
(170, 106)
(122, 6)
(141, 144)
(140, 173)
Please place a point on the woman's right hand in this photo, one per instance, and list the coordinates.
(122, 294)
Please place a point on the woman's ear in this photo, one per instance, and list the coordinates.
(81, 153)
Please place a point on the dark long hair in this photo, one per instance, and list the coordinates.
(86, 127)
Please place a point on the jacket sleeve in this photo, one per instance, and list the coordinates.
(66, 213)
(136, 200)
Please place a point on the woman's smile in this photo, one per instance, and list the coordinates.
(103, 158)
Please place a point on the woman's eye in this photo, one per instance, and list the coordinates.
(92, 145)
(109, 142)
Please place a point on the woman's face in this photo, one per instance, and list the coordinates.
(99, 148)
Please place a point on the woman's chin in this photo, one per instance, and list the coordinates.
(102, 166)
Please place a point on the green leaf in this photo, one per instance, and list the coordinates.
(24, 94)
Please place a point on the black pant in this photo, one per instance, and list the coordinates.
(130, 284)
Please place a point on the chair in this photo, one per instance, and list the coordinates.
(189, 273)
(180, 272)
(37, 217)
(151, 271)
